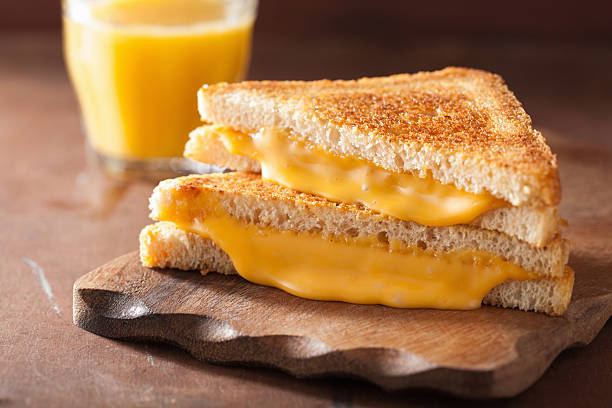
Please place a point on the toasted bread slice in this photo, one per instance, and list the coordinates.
(164, 245)
(535, 225)
(246, 197)
(462, 125)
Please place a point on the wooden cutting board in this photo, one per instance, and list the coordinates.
(488, 352)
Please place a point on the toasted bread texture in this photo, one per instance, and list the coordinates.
(535, 225)
(462, 125)
(246, 197)
(164, 245)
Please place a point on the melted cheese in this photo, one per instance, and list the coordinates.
(401, 195)
(355, 270)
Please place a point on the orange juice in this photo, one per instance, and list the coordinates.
(136, 66)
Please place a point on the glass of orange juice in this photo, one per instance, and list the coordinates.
(136, 66)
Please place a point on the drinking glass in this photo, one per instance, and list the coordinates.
(136, 66)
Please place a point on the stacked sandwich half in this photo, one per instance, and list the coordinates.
(427, 190)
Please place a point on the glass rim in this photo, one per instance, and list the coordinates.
(241, 11)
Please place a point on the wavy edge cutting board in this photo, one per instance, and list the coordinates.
(490, 352)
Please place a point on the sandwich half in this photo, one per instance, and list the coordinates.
(441, 148)
(424, 190)
(319, 249)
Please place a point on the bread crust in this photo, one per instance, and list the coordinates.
(462, 125)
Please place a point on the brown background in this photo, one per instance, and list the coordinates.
(556, 57)
(589, 19)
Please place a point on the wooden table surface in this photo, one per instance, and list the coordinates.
(60, 220)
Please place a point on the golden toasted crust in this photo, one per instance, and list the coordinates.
(464, 113)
